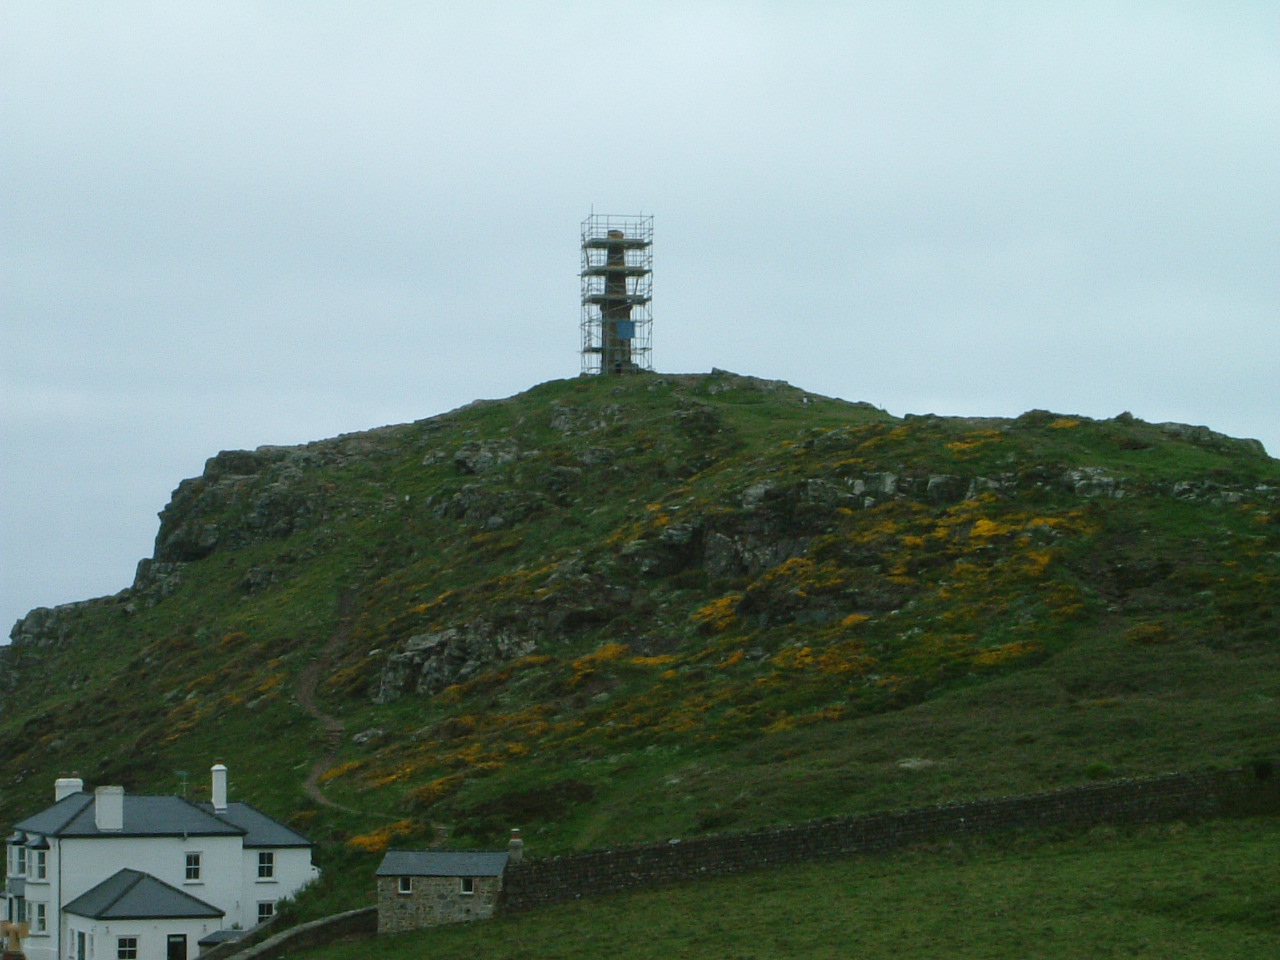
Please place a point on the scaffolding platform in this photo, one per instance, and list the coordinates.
(617, 287)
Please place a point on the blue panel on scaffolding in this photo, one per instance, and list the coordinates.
(626, 329)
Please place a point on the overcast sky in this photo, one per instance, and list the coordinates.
(228, 224)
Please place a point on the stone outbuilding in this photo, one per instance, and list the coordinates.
(425, 888)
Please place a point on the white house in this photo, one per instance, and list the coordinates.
(105, 876)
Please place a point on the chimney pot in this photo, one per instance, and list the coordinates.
(515, 848)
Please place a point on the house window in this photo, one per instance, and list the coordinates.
(40, 918)
(266, 865)
(266, 910)
(127, 948)
(21, 864)
(41, 868)
(193, 867)
(468, 886)
(406, 885)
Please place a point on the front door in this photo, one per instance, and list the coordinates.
(177, 947)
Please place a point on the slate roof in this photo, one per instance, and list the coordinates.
(52, 819)
(442, 863)
(133, 895)
(144, 816)
(260, 830)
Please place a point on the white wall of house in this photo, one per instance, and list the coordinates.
(102, 939)
(291, 870)
(88, 861)
(41, 896)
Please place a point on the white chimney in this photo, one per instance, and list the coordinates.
(108, 808)
(219, 772)
(64, 787)
(515, 848)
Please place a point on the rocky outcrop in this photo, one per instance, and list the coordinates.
(482, 456)
(429, 662)
(1094, 482)
(573, 420)
(155, 580)
(242, 496)
(487, 508)
(1203, 436)
(47, 627)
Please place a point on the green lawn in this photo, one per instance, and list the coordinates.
(1168, 892)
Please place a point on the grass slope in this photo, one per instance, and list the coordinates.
(1206, 891)
(616, 610)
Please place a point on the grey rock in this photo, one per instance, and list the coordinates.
(257, 578)
(754, 496)
(679, 534)
(1205, 437)
(429, 662)
(945, 488)
(1005, 484)
(1093, 482)
(595, 456)
(884, 484)
(482, 456)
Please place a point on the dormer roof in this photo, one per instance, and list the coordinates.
(134, 895)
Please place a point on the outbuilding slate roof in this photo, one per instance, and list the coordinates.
(144, 816)
(133, 895)
(442, 863)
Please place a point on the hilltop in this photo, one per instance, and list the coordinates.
(617, 609)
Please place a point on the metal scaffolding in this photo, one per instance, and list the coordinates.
(617, 286)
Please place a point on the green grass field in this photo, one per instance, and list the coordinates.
(1173, 892)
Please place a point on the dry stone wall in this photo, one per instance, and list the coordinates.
(1178, 796)
(351, 925)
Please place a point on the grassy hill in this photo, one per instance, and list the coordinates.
(1205, 891)
(618, 609)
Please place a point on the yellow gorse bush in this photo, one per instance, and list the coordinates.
(719, 615)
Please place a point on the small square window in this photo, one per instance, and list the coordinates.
(266, 910)
(127, 948)
(405, 885)
(266, 864)
(468, 886)
(193, 866)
